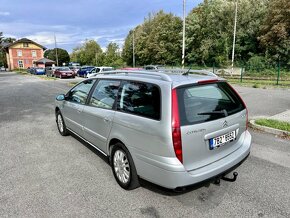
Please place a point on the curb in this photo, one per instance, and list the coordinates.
(279, 132)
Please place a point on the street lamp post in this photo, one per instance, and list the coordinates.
(235, 30)
(56, 55)
(133, 39)
(183, 36)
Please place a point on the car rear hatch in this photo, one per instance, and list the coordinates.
(212, 119)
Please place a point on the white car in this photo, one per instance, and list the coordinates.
(97, 70)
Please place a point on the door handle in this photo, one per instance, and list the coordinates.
(107, 119)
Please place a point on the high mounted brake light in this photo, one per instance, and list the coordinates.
(176, 132)
(207, 81)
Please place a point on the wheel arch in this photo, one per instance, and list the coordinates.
(112, 142)
(57, 109)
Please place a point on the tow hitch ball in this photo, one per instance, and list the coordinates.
(235, 175)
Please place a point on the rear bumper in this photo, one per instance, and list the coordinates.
(173, 178)
(67, 76)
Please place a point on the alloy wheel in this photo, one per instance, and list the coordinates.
(121, 166)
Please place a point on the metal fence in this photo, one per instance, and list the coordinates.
(277, 74)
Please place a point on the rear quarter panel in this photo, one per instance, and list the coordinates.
(146, 139)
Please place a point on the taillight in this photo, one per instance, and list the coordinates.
(247, 121)
(247, 113)
(176, 132)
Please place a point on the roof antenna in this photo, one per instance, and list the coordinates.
(187, 72)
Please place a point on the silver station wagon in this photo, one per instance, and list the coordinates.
(173, 129)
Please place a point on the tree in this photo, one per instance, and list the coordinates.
(157, 40)
(113, 56)
(4, 41)
(90, 53)
(127, 52)
(2, 53)
(275, 31)
(63, 56)
(209, 32)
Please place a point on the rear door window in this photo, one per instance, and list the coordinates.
(105, 94)
(141, 99)
(202, 103)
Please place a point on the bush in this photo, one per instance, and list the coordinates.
(256, 63)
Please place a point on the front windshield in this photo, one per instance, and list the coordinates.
(64, 69)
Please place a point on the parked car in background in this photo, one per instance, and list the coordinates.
(75, 69)
(153, 67)
(37, 70)
(64, 72)
(97, 70)
(172, 129)
(49, 71)
(131, 68)
(2, 68)
(84, 70)
(29, 69)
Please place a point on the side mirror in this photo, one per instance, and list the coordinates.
(60, 97)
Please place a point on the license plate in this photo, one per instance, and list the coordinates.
(221, 140)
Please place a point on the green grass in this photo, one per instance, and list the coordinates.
(46, 77)
(261, 83)
(274, 124)
(71, 84)
(23, 72)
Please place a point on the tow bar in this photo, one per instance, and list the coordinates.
(218, 180)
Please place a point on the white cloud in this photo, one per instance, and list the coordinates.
(47, 38)
(67, 36)
(4, 13)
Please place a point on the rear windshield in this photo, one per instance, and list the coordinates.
(202, 103)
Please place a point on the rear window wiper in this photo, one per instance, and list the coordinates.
(222, 112)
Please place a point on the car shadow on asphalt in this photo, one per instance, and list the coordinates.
(102, 156)
(151, 186)
(175, 192)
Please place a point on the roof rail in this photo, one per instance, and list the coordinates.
(161, 75)
(188, 72)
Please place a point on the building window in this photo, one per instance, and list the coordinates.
(20, 64)
(19, 53)
(25, 45)
(33, 54)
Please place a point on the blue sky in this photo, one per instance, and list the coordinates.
(74, 21)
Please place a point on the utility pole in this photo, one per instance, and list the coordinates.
(56, 56)
(133, 48)
(183, 36)
(235, 30)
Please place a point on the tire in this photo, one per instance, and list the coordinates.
(123, 167)
(60, 124)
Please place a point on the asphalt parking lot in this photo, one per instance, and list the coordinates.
(43, 174)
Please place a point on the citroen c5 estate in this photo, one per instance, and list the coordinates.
(173, 129)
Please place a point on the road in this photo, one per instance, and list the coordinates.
(265, 102)
(43, 174)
